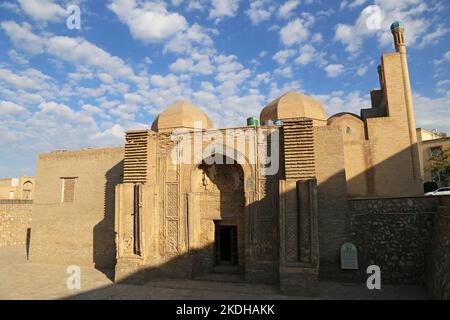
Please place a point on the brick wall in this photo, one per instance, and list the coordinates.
(81, 231)
(333, 217)
(15, 218)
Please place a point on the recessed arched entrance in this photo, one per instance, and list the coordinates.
(219, 198)
(27, 190)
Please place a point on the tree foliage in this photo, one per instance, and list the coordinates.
(441, 164)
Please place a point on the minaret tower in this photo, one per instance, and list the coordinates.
(398, 31)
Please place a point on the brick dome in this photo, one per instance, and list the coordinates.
(295, 105)
(181, 114)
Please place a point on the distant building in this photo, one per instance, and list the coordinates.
(21, 188)
(426, 135)
(430, 144)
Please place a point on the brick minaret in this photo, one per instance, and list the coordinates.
(398, 31)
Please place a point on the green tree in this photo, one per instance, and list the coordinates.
(440, 164)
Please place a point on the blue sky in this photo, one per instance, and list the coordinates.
(70, 89)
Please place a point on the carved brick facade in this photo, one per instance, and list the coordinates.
(272, 203)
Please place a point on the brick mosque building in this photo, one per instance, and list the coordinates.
(271, 203)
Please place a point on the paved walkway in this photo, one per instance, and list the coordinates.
(20, 279)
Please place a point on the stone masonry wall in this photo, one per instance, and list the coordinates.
(15, 218)
(438, 266)
(393, 233)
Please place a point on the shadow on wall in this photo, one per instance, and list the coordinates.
(260, 261)
(438, 262)
(258, 256)
(104, 247)
(381, 238)
(218, 191)
(391, 232)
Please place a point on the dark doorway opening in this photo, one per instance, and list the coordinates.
(226, 245)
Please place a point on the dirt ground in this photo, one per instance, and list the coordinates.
(20, 279)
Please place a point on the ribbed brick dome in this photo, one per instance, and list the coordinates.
(294, 105)
(181, 114)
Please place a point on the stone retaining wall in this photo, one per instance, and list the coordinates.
(15, 219)
(438, 267)
(394, 233)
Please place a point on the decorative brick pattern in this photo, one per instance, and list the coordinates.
(172, 218)
(298, 137)
(135, 163)
(172, 237)
(172, 200)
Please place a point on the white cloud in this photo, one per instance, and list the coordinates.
(334, 70)
(200, 65)
(181, 65)
(223, 8)
(309, 54)
(75, 50)
(445, 58)
(8, 108)
(432, 113)
(191, 38)
(116, 131)
(164, 81)
(286, 10)
(80, 51)
(23, 97)
(362, 70)
(22, 37)
(176, 2)
(352, 4)
(297, 30)
(374, 21)
(148, 21)
(195, 5)
(433, 37)
(317, 37)
(276, 91)
(353, 36)
(28, 79)
(230, 71)
(339, 101)
(43, 10)
(259, 11)
(260, 78)
(53, 126)
(282, 56)
(17, 57)
(92, 109)
(10, 6)
(105, 78)
(284, 72)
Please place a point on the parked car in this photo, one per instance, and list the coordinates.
(439, 192)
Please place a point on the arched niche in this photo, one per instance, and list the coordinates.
(27, 190)
(220, 188)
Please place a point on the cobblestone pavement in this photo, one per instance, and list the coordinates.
(20, 279)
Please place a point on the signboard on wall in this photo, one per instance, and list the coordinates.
(349, 256)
